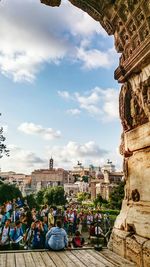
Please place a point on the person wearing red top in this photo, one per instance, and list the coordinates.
(78, 240)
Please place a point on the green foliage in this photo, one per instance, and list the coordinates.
(117, 196)
(49, 196)
(31, 200)
(98, 201)
(54, 196)
(40, 196)
(3, 148)
(85, 178)
(89, 204)
(110, 212)
(8, 192)
(82, 196)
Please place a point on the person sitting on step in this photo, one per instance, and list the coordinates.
(78, 240)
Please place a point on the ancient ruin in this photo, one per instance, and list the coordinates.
(129, 22)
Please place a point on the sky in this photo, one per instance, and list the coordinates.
(58, 96)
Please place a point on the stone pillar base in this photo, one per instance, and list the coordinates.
(131, 247)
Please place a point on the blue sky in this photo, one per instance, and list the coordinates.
(58, 96)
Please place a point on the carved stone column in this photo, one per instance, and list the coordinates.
(129, 22)
(131, 233)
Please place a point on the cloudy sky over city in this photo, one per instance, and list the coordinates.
(58, 96)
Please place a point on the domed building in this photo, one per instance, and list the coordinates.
(106, 179)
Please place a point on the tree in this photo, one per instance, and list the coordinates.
(48, 196)
(8, 192)
(117, 196)
(55, 196)
(31, 200)
(85, 178)
(98, 200)
(3, 148)
(82, 196)
(40, 196)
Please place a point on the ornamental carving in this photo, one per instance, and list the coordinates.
(146, 97)
(124, 106)
(134, 105)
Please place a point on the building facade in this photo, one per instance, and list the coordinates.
(105, 181)
(50, 177)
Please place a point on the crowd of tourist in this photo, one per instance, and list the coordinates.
(50, 227)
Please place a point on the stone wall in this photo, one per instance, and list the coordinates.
(129, 22)
(46, 176)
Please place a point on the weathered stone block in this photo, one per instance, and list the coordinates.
(117, 242)
(120, 222)
(134, 217)
(139, 217)
(139, 173)
(146, 254)
(137, 138)
(134, 246)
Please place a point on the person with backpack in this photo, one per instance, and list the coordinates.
(5, 236)
(16, 235)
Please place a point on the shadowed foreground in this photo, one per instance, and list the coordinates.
(69, 258)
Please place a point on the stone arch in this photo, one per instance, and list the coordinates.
(129, 22)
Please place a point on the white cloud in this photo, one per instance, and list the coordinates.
(25, 161)
(33, 34)
(64, 94)
(26, 40)
(74, 111)
(21, 160)
(90, 99)
(111, 107)
(69, 154)
(94, 58)
(99, 103)
(83, 24)
(34, 129)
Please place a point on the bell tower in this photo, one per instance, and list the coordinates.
(51, 163)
